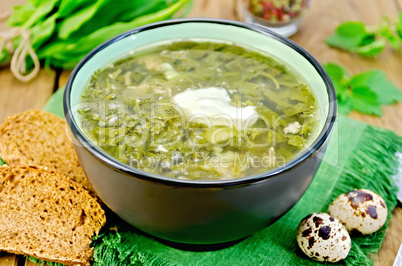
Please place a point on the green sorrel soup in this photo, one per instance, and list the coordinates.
(199, 110)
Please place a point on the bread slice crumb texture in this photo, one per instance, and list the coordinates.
(40, 138)
(46, 215)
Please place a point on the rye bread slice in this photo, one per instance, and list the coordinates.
(46, 215)
(39, 138)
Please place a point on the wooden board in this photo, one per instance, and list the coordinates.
(8, 259)
(16, 96)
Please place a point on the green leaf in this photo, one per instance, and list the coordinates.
(40, 13)
(67, 7)
(64, 31)
(344, 108)
(355, 37)
(68, 53)
(377, 81)
(144, 7)
(339, 79)
(364, 100)
(21, 14)
(40, 33)
(399, 26)
(392, 37)
(1, 162)
(371, 49)
(104, 13)
(364, 92)
(336, 72)
(297, 141)
(349, 35)
(128, 10)
(74, 22)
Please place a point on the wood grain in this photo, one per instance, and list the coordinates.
(8, 259)
(398, 3)
(320, 21)
(17, 96)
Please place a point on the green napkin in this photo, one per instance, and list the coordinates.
(358, 156)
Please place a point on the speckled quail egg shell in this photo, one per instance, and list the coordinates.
(323, 238)
(361, 211)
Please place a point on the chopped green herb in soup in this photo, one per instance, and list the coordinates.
(199, 110)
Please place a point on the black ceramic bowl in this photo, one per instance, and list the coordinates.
(201, 212)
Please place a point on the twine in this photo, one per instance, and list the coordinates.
(18, 59)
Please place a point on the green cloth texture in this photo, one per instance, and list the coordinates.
(358, 156)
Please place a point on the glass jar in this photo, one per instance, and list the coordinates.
(281, 16)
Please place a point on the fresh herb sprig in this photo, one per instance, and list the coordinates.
(355, 37)
(62, 32)
(365, 92)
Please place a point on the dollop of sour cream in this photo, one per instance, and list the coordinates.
(211, 106)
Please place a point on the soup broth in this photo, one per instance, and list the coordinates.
(199, 110)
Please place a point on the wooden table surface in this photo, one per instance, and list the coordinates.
(322, 18)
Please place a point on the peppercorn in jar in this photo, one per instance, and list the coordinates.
(281, 16)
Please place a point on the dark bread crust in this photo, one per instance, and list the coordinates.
(39, 138)
(46, 215)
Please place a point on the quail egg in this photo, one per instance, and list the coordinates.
(323, 238)
(361, 211)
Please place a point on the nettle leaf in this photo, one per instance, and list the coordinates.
(364, 100)
(355, 37)
(377, 81)
(368, 39)
(371, 49)
(364, 92)
(336, 72)
(393, 38)
(349, 35)
(344, 108)
(339, 78)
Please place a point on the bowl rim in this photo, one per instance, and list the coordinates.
(118, 166)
